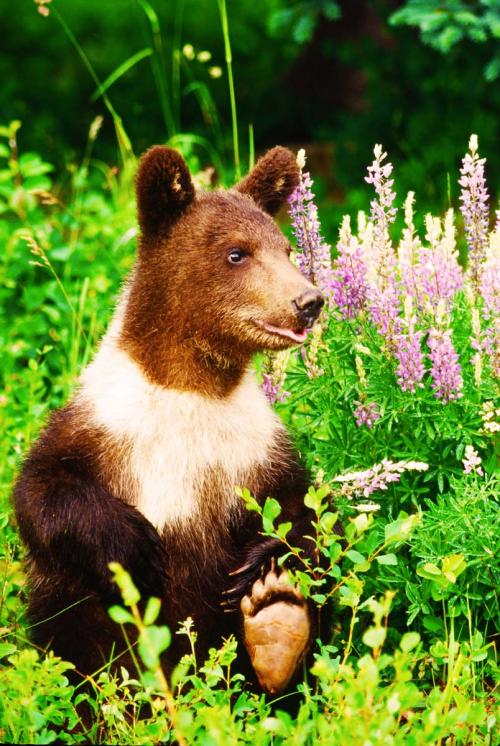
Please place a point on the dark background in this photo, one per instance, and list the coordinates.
(337, 86)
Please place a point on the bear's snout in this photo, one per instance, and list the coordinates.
(308, 306)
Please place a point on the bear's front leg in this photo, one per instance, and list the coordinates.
(276, 629)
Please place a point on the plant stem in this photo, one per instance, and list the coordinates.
(167, 694)
(232, 97)
(124, 144)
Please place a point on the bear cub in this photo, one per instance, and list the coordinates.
(141, 466)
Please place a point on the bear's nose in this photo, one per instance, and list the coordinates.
(308, 305)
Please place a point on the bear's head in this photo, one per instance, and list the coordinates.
(213, 283)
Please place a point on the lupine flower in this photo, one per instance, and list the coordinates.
(349, 278)
(378, 477)
(408, 353)
(383, 292)
(273, 377)
(382, 211)
(472, 461)
(310, 352)
(366, 507)
(490, 417)
(408, 254)
(313, 257)
(366, 414)
(440, 275)
(474, 197)
(490, 277)
(445, 370)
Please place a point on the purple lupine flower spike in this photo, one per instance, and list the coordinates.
(446, 372)
(349, 278)
(475, 211)
(313, 254)
(383, 292)
(408, 353)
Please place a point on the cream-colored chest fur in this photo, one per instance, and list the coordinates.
(174, 440)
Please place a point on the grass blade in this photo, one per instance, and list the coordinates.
(120, 70)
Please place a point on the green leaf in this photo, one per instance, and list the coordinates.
(122, 578)
(374, 637)
(283, 529)
(328, 521)
(356, 557)
(453, 565)
(152, 610)
(348, 597)
(152, 642)
(429, 570)
(120, 615)
(400, 529)
(271, 510)
(409, 641)
(387, 559)
(249, 500)
(6, 648)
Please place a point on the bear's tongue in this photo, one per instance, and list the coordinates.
(295, 336)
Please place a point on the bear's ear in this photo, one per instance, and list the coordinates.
(272, 180)
(164, 190)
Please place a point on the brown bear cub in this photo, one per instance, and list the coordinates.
(141, 466)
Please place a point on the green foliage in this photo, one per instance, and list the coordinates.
(37, 704)
(444, 25)
(300, 17)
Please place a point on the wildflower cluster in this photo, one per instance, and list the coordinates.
(378, 477)
(406, 292)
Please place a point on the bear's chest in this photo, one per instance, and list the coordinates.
(179, 454)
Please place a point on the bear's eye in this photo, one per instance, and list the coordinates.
(237, 256)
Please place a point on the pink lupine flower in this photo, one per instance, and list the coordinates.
(366, 414)
(313, 257)
(382, 211)
(408, 255)
(349, 277)
(446, 372)
(474, 197)
(408, 353)
(439, 274)
(273, 376)
(378, 477)
(384, 301)
(383, 292)
(310, 353)
(489, 284)
(472, 461)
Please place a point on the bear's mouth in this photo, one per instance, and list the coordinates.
(298, 335)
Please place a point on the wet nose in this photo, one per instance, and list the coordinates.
(308, 305)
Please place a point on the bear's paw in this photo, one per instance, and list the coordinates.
(277, 629)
